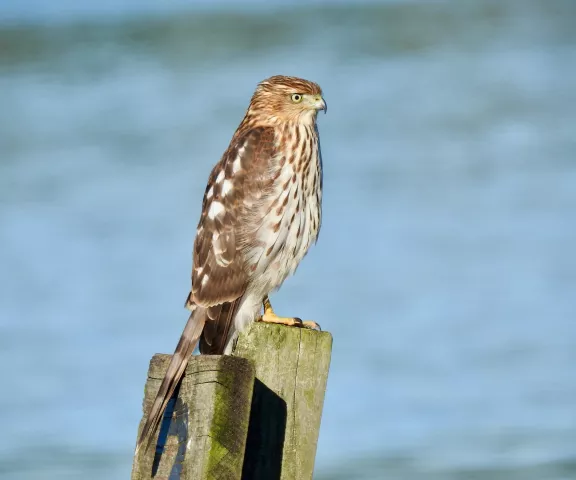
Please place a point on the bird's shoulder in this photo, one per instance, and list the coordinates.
(249, 147)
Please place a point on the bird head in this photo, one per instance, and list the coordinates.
(289, 99)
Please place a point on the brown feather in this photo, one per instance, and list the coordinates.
(215, 334)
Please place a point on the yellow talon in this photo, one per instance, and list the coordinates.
(271, 317)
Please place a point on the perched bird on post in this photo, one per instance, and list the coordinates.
(260, 215)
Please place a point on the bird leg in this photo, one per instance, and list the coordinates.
(271, 317)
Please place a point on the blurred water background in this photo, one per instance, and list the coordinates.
(446, 267)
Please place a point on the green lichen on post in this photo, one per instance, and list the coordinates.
(207, 432)
(229, 424)
(291, 366)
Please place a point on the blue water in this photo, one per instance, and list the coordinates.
(446, 265)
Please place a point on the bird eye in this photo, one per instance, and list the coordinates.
(296, 97)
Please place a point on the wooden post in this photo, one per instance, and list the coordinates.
(203, 432)
(291, 373)
(251, 416)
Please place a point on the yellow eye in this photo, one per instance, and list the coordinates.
(297, 98)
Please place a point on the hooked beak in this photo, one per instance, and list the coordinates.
(319, 103)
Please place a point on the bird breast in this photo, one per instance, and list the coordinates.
(293, 210)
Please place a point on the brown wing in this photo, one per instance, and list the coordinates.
(230, 214)
(219, 278)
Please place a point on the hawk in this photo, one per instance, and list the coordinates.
(260, 214)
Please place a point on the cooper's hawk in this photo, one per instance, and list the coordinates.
(260, 214)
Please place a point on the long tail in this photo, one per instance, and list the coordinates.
(184, 349)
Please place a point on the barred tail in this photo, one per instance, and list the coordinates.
(184, 349)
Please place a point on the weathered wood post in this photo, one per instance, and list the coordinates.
(251, 416)
(203, 432)
(291, 374)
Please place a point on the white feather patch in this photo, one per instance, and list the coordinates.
(216, 244)
(205, 279)
(220, 176)
(237, 165)
(216, 208)
(226, 186)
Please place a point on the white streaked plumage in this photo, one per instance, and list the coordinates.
(216, 208)
(227, 187)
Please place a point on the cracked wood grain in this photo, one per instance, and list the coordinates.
(203, 433)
